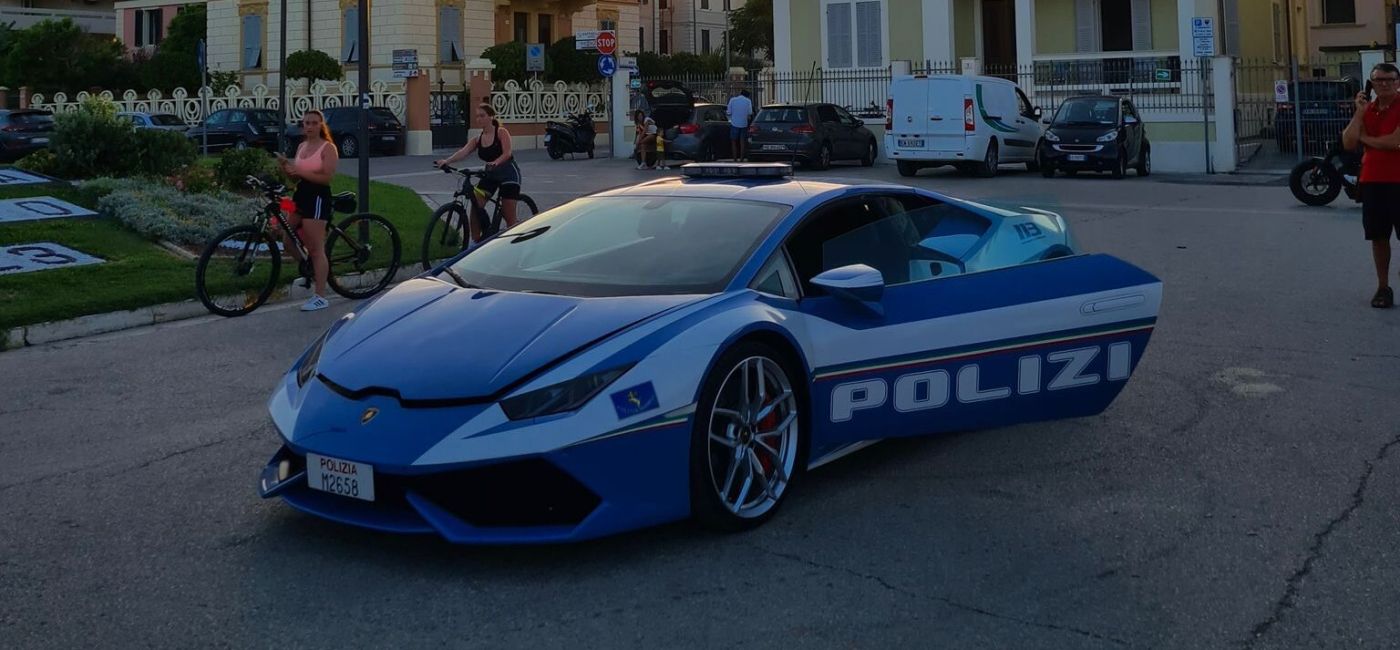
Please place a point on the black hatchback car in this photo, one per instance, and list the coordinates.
(814, 134)
(1099, 133)
(1326, 107)
(239, 128)
(386, 133)
(24, 132)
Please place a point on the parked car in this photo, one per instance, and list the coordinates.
(239, 128)
(1099, 133)
(703, 136)
(1327, 106)
(813, 134)
(23, 132)
(973, 123)
(387, 134)
(160, 121)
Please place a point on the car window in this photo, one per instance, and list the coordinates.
(167, 120)
(1088, 112)
(265, 118)
(827, 114)
(626, 245)
(136, 119)
(218, 118)
(776, 278)
(1130, 111)
(1023, 104)
(1321, 91)
(32, 118)
(238, 117)
(783, 115)
(910, 246)
(844, 116)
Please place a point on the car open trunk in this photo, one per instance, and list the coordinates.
(672, 104)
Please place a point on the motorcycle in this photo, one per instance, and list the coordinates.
(1319, 180)
(573, 135)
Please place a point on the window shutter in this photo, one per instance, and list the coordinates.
(1232, 28)
(1086, 26)
(449, 34)
(350, 34)
(868, 35)
(252, 42)
(140, 17)
(838, 35)
(1142, 24)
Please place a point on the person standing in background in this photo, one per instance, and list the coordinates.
(740, 111)
(1376, 126)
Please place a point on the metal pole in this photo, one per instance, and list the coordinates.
(282, 84)
(694, 26)
(1205, 112)
(1297, 94)
(363, 141)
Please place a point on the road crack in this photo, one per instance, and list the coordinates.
(1294, 584)
(938, 599)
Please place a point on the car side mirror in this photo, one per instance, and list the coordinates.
(1037, 112)
(860, 122)
(857, 283)
(1130, 120)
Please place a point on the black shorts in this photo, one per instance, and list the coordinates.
(313, 201)
(1380, 210)
(505, 178)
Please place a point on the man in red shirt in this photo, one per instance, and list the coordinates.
(1376, 125)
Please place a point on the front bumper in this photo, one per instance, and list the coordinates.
(616, 483)
(1095, 157)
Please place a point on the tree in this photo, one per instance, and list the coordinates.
(176, 61)
(313, 66)
(57, 55)
(565, 62)
(751, 28)
(509, 59)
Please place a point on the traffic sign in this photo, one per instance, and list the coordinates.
(201, 57)
(585, 39)
(1203, 36)
(1163, 74)
(534, 57)
(606, 43)
(405, 63)
(1280, 90)
(607, 65)
(636, 83)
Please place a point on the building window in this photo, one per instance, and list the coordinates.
(350, 34)
(150, 25)
(641, 39)
(449, 34)
(546, 25)
(252, 40)
(704, 41)
(1339, 12)
(665, 41)
(520, 26)
(855, 34)
(608, 19)
(726, 5)
(664, 3)
(1278, 33)
(1113, 26)
(705, 4)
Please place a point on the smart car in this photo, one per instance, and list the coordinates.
(691, 347)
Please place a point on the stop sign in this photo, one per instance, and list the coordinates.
(607, 42)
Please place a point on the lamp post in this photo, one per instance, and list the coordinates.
(363, 87)
(282, 83)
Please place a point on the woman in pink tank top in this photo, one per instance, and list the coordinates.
(313, 168)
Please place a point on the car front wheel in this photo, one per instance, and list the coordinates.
(747, 439)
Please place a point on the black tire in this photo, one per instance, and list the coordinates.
(823, 160)
(991, 162)
(1047, 170)
(705, 500)
(1315, 183)
(1120, 167)
(239, 246)
(1144, 163)
(871, 153)
(555, 153)
(590, 152)
(348, 147)
(362, 259)
(1033, 165)
(907, 169)
(241, 144)
(446, 232)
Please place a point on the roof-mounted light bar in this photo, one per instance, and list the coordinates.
(737, 170)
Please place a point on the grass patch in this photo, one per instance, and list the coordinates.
(138, 273)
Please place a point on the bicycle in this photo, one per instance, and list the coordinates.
(241, 265)
(448, 225)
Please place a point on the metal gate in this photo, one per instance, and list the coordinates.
(1274, 111)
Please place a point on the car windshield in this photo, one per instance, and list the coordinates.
(1088, 112)
(622, 246)
(781, 115)
(32, 118)
(383, 115)
(1323, 91)
(166, 120)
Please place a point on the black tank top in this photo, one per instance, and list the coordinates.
(494, 151)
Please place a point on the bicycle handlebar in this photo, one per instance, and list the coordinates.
(464, 171)
(263, 186)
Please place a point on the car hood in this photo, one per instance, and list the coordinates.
(431, 341)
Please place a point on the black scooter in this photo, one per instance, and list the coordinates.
(1319, 180)
(573, 135)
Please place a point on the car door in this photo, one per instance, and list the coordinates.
(715, 130)
(951, 348)
(1027, 124)
(830, 128)
(213, 130)
(1132, 123)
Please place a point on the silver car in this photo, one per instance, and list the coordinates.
(162, 121)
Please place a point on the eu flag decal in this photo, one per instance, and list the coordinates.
(634, 401)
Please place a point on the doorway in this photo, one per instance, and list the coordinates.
(999, 36)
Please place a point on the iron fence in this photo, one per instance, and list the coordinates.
(1273, 110)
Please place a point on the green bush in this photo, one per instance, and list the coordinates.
(92, 142)
(236, 166)
(196, 178)
(40, 162)
(313, 66)
(509, 59)
(161, 212)
(161, 153)
(565, 62)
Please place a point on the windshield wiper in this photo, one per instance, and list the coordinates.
(516, 238)
(457, 277)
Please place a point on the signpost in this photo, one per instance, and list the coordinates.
(203, 93)
(405, 64)
(362, 50)
(534, 57)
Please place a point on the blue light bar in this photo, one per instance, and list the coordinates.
(737, 170)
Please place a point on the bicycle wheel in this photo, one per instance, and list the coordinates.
(237, 270)
(363, 263)
(446, 234)
(525, 208)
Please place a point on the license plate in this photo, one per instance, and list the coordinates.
(547, 138)
(342, 477)
(774, 147)
(910, 142)
(40, 140)
(1315, 111)
(390, 137)
(1076, 157)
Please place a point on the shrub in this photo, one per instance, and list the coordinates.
(40, 162)
(161, 153)
(197, 179)
(565, 62)
(164, 213)
(92, 142)
(313, 66)
(236, 166)
(509, 59)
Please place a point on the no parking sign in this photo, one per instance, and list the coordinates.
(1281, 90)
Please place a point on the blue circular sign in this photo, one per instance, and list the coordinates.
(607, 65)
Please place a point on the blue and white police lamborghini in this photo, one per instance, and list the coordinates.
(690, 347)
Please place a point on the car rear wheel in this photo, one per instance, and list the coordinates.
(349, 147)
(907, 168)
(747, 442)
(870, 154)
(823, 160)
(988, 167)
(1144, 165)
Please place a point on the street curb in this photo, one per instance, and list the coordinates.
(96, 324)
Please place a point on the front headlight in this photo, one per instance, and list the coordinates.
(1052, 136)
(564, 396)
(312, 359)
(1109, 137)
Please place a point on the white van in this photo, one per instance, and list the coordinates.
(973, 123)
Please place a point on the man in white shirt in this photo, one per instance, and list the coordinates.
(740, 111)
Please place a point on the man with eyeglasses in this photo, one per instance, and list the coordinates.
(1376, 126)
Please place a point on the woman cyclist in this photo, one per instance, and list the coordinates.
(313, 167)
(501, 170)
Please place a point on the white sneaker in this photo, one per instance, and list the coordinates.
(316, 303)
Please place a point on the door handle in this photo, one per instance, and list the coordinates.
(936, 119)
(1112, 304)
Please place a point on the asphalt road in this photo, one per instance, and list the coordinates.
(1244, 490)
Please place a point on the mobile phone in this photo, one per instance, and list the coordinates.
(1370, 94)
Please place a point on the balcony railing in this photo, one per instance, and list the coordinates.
(94, 22)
